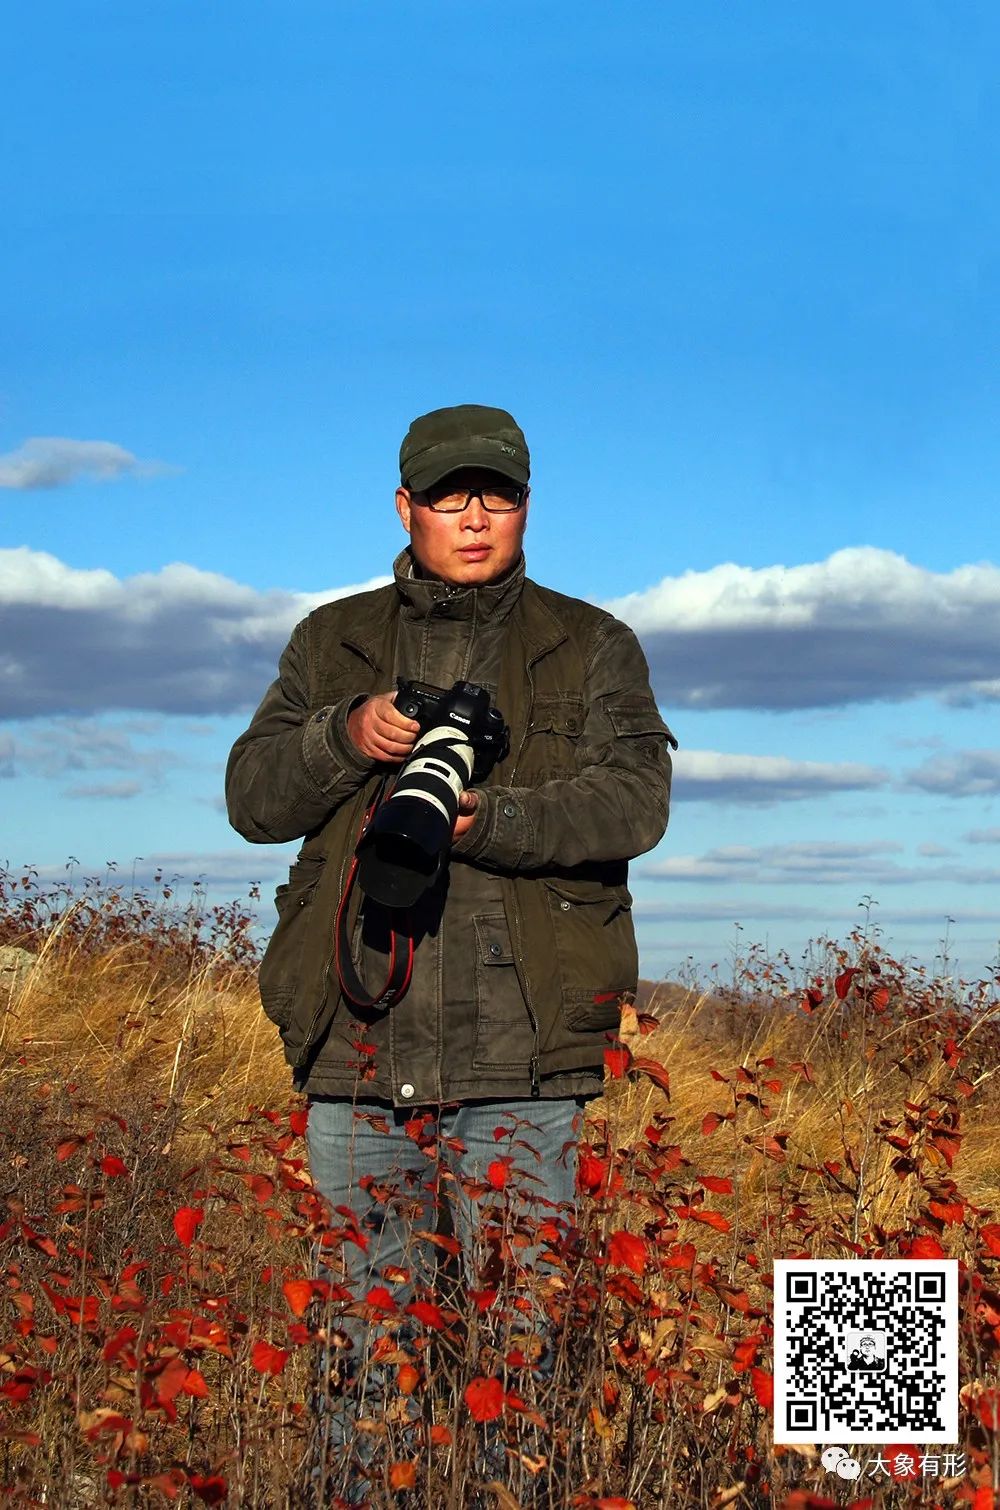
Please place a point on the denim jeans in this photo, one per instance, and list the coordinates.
(365, 1158)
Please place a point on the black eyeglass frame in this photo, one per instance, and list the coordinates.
(423, 501)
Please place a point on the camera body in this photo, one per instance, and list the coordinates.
(466, 707)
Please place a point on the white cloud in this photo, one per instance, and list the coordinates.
(863, 625)
(707, 775)
(60, 746)
(178, 640)
(112, 789)
(810, 863)
(964, 773)
(53, 461)
(982, 836)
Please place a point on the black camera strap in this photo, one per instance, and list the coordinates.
(400, 957)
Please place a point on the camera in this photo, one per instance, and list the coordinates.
(405, 847)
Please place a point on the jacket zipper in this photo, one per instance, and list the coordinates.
(536, 1090)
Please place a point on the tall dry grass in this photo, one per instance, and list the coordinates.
(160, 1231)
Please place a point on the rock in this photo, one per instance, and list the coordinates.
(15, 964)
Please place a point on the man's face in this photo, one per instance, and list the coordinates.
(466, 549)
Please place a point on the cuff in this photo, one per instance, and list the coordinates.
(501, 834)
(327, 748)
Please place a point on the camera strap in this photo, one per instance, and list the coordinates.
(400, 944)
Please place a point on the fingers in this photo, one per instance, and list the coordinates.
(380, 731)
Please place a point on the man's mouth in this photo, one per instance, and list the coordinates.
(473, 550)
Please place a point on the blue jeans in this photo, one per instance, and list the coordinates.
(390, 1184)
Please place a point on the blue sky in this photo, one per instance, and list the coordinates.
(735, 272)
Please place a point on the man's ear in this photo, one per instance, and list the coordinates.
(403, 507)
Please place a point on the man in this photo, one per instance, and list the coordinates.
(524, 948)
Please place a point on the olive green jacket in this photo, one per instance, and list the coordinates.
(585, 788)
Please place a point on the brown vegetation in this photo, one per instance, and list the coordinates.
(159, 1229)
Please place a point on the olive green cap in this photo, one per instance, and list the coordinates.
(466, 435)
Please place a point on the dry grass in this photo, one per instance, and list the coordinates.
(140, 1080)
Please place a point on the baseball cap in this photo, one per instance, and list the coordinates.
(466, 435)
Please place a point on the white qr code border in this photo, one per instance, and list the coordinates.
(934, 1283)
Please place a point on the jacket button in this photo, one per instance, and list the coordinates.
(495, 949)
(565, 906)
(320, 716)
(406, 1089)
(509, 810)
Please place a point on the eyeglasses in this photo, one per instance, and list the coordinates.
(447, 499)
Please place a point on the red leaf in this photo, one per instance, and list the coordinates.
(948, 1145)
(590, 1172)
(427, 1312)
(617, 1061)
(925, 1247)
(745, 1352)
(261, 1185)
(713, 1218)
(402, 1476)
(710, 1122)
(655, 1070)
(716, 1182)
(187, 1220)
(298, 1121)
(497, 1173)
(843, 982)
(991, 1237)
(628, 1251)
(880, 998)
(381, 1298)
(113, 1166)
(484, 1398)
(298, 1293)
(211, 1488)
(268, 1359)
(171, 1379)
(763, 1387)
(947, 1211)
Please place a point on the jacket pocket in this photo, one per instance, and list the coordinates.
(279, 969)
(552, 739)
(595, 949)
(504, 1035)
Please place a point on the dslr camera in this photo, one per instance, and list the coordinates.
(406, 845)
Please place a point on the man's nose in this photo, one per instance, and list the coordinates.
(476, 516)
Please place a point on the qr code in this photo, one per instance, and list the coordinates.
(865, 1352)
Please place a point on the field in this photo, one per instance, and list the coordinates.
(162, 1315)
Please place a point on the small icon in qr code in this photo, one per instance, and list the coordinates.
(866, 1350)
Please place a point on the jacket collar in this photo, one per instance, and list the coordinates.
(373, 633)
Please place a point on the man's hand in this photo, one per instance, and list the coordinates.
(467, 804)
(380, 731)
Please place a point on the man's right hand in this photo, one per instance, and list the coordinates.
(380, 731)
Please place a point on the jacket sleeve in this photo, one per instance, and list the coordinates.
(617, 805)
(289, 770)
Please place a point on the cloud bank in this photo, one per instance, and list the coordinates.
(53, 461)
(178, 640)
(708, 776)
(808, 863)
(863, 626)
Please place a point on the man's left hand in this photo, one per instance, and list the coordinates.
(467, 804)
